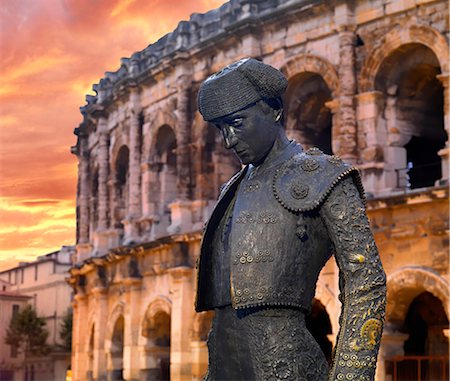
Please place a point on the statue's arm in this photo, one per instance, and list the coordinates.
(362, 284)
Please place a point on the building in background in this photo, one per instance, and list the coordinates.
(368, 81)
(10, 304)
(41, 283)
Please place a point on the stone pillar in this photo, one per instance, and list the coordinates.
(391, 346)
(103, 174)
(183, 138)
(181, 323)
(79, 337)
(83, 246)
(132, 327)
(199, 359)
(333, 105)
(371, 139)
(180, 208)
(347, 84)
(134, 194)
(444, 153)
(101, 317)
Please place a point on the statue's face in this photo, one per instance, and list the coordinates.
(250, 132)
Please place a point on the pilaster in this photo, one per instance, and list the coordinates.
(99, 366)
(444, 153)
(134, 201)
(83, 195)
(347, 83)
(103, 175)
(79, 355)
(132, 325)
(181, 323)
(183, 137)
(372, 140)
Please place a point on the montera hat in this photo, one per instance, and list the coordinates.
(238, 85)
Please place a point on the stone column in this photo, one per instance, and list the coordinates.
(180, 209)
(444, 153)
(333, 105)
(83, 246)
(347, 84)
(181, 323)
(103, 175)
(132, 327)
(101, 317)
(79, 337)
(134, 194)
(183, 138)
(371, 139)
(391, 346)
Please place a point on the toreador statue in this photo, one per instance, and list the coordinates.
(276, 223)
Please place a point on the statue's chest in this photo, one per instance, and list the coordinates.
(259, 221)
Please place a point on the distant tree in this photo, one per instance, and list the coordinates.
(27, 332)
(65, 333)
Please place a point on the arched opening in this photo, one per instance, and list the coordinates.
(121, 168)
(426, 322)
(163, 183)
(308, 119)
(426, 348)
(319, 324)
(116, 353)
(414, 114)
(156, 330)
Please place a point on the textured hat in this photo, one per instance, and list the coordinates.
(237, 86)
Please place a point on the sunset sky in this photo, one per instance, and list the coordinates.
(51, 52)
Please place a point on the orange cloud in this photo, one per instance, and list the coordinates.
(51, 52)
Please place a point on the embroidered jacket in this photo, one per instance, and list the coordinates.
(289, 217)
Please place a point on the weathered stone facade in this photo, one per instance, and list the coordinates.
(368, 81)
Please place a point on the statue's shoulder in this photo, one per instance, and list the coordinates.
(237, 176)
(304, 181)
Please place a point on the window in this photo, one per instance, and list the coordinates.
(35, 272)
(15, 310)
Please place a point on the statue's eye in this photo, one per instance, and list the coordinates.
(236, 122)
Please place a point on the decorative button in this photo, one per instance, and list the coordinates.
(309, 164)
(299, 191)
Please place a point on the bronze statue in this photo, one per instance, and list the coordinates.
(276, 223)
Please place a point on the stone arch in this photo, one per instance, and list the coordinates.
(114, 343)
(313, 82)
(118, 310)
(394, 39)
(160, 304)
(158, 118)
(314, 64)
(407, 283)
(120, 140)
(120, 185)
(155, 337)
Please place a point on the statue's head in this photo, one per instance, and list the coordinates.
(244, 101)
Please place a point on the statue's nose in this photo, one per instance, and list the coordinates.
(229, 136)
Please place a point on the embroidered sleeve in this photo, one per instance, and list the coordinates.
(362, 284)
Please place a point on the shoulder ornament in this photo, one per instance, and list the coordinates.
(303, 182)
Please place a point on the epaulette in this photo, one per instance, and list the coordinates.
(304, 181)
